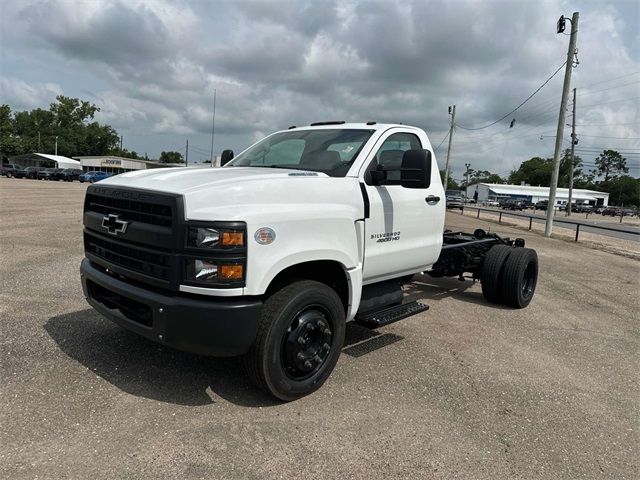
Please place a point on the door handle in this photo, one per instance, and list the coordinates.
(432, 199)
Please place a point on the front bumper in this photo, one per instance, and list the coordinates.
(209, 327)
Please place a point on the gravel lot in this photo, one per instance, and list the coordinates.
(465, 390)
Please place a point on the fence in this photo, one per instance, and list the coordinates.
(531, 218)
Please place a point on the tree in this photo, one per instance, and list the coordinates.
(481, 176)
(68, 119)
(535, 171)
(610, 164)
(451, 183)
(10, 143)
(623, 190)
(170, 157)
(565, 168)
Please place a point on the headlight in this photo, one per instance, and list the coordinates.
(213, 272)
(205, 237)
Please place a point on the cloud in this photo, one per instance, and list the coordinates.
(27, 96)
(153, 66)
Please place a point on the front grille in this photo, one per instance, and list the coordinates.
(148, 262)
(132, 210)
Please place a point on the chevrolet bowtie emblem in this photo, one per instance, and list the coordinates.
(113, 224)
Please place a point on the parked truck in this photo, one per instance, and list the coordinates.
(269, 256)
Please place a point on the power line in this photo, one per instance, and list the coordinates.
(605, 124)
(440, 144)
(609, 80)
(606, 89)
(515, 109)
(603, 136)
(612, 101)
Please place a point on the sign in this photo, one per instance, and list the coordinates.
(112, 162)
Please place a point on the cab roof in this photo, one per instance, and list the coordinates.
(355, 125)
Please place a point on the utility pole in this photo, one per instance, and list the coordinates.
(467, 165)
(452, 112)
(561, 119)
(213, 126)
(56, 150)
(573, 145)
(120, 145)
(38, 140)
(186, 156)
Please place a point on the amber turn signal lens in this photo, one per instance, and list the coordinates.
(231, 272)
(235, 239)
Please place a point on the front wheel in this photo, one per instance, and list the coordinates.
(300, 335)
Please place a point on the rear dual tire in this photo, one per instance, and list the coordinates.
(510, 275)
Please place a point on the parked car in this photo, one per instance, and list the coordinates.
(542, 205)
(29, 172)
(8, 170)
(583, 208)
(491, 203)
(93, 176)
(68, 174)
(599, 209)
(610, 212)
(512, 205)
(455, 201)
(48, 173)
(628, 212)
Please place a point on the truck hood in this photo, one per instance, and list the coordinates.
(250, 193)
(188, 180)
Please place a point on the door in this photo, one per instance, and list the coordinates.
(403, 233)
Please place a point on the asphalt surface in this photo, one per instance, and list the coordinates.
(613, 228)
(466, 390)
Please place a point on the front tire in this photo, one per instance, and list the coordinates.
(300, 335)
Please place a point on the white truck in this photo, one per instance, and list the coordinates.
(269, 256)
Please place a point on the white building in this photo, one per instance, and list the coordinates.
(44, 160)
(496, 191)
(113, 164)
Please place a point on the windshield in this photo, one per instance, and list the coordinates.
(323, 150)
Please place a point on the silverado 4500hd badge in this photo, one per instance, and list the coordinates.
(385, 237)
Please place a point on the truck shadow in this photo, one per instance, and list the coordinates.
(426, 288)
(143, 368)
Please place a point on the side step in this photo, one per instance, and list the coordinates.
(389, 315)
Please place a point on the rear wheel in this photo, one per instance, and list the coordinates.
(520, 277)
(300, 335)
(492, 269)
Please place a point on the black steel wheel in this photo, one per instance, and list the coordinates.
(492, 272)
(307, 342)
(520, 277)
(300, 335)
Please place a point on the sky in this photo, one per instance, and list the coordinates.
(151, 66)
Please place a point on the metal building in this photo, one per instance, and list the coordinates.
(483, 192)
(44, 160)
(113, 164)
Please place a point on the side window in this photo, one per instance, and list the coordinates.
(391, 152)
(287, 152)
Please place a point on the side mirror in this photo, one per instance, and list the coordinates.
(227, 156)
(415, 171)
